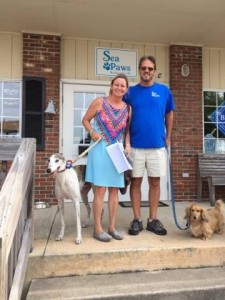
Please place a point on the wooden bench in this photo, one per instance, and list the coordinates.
(211, 168)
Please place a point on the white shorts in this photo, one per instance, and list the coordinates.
(154, 160)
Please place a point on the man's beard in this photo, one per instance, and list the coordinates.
(146, 79)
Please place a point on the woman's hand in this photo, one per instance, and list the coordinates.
(95, 136)
(128, 148)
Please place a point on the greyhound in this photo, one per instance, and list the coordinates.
(66, 187)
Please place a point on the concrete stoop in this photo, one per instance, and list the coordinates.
(124, 261)
(201, 284)
(144, 256)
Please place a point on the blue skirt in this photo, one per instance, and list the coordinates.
(100, 169)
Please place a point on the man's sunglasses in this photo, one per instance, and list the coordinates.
(147, 68)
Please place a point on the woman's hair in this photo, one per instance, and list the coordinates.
(123, 76)
(150, 58)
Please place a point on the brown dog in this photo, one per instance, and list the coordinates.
(204, 222)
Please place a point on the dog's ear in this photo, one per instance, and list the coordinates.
(204, 215)
(187, 212)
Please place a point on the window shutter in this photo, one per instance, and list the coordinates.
(33, 109)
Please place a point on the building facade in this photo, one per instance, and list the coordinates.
(39, 67)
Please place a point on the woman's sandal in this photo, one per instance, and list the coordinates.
(102, 237)
(116, 235)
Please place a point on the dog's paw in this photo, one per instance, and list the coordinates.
(78, 241)
(59, 238)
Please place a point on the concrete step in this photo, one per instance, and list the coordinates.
(185, 284)
(146, 252)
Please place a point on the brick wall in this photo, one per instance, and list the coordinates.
(187, 132)
(41, 58)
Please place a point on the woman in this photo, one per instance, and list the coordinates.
(110, 116)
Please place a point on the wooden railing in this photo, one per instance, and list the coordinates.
(16, 214)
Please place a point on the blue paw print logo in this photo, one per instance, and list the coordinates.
(106, 66)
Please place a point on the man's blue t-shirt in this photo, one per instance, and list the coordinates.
(149, 108)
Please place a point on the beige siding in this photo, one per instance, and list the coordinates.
(78, 57)
(213, 68)
(10, 56)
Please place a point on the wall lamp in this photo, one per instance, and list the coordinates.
(51, 107)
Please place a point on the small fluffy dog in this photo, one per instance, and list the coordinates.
(66, 187)
(204, 222)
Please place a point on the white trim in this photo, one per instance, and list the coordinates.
(89, 82)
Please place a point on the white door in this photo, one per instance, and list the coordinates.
(76, 99)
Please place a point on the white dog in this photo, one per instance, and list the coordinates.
(66, 187)
(85, 188)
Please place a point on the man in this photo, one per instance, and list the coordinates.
(151, 125)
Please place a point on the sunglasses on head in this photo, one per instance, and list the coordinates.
(147, 68)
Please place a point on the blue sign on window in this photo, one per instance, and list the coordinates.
(218, 117)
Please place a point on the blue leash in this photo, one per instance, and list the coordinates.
(172, 195)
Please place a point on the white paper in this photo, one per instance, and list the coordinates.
(116, 153)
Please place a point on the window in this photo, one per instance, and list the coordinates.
(214, 121)
(10, 108)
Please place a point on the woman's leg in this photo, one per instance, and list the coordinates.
(112, 206)
(99, 193)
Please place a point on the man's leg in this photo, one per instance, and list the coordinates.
(154, 195)
(153, 224)
(135, 194)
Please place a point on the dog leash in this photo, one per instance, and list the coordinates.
(172, 194)
(70, 163)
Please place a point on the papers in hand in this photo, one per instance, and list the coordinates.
(116, 153)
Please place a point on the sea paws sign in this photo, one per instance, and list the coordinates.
(109, 62)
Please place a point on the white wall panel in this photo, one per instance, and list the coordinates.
(213, 68)
(10, 56)
(81, 59)
(91, 60)
(222, 69)
(205, 68)
(68, 58)
(78, 57)
(214, 65)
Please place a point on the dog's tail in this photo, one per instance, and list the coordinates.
(219, 204)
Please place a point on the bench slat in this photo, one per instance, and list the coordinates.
(211, 167)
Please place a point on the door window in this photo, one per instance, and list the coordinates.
(76, 100)
(81, 102)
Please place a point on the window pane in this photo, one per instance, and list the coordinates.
(77, 135)
(210, 98)
(11, 108)
(208, 111)
(11, 90)
(1, 83)
(10, 127)
(78, 100)
(220, 98)
(210, 128)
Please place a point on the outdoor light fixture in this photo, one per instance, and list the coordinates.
(51, 107)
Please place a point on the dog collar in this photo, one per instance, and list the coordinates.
(69, 164)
